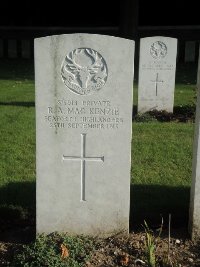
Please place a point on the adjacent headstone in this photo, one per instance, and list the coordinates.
(84, 98)
(157, 68)
(198, 71)
(12, 48)
(190, 51)
(194, 220)
(26, 49)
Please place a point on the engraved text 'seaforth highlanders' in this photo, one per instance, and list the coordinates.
(84, 71)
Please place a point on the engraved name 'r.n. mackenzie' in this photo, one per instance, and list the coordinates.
(84, 71)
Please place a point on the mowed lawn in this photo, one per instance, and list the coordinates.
(17, 146)
(161, 152)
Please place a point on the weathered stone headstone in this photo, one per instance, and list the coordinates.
(190, 51)
(84, 120)
(194, 218)
(12, 48)
(157, 68)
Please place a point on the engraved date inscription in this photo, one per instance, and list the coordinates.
(84, 114)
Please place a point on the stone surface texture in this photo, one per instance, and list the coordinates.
(157, 68)
(84, 87)
(194, 218)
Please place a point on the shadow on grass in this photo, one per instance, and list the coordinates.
(15, 103)
(148, 202)
(17, 211)
(18, 193)
(153, 202)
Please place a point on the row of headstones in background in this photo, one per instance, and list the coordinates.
(190, 49)
(12, 50)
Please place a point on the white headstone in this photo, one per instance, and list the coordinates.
(157, 68)
(194, 218)
(12, 48)
(190, 51)
(84, 119)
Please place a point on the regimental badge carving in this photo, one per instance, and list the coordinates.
(158, 50)
(84, 71)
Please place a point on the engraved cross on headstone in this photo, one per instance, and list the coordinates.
(83, 158)
(156, 83)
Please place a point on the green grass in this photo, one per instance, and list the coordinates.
(185, 95)
(17, 147)
(162, 159)
(161, 152)
(161, 147)
(161, 171)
